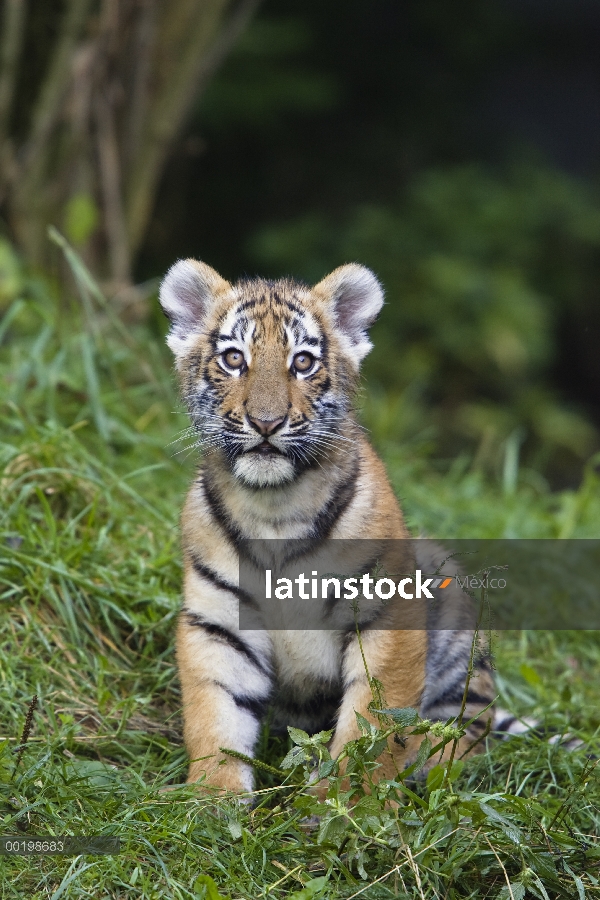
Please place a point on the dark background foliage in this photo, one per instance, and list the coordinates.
(453, 148)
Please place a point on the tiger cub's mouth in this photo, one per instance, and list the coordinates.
(264, 465)
(265, 449)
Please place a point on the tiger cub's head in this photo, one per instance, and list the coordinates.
(268, 368)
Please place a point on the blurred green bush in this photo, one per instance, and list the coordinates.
(80, 393)
(480, 271)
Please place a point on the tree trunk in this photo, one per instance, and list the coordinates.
(120, 79)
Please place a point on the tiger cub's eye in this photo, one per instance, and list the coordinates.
(234, 359)
(303, 362)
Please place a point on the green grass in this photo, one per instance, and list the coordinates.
(91, 487)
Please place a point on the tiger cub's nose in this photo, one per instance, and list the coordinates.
(266, 427)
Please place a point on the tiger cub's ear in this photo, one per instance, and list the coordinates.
(354, 297)
(187, 293)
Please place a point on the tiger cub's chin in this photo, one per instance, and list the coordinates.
(269, 365)
(257, 470)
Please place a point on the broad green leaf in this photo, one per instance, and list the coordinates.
(298, 736)
(295, 757)
(422, 755)
(322, 737)
(333, 830)
(577, 880)
(367, 806)
(435, 776)
(508, 827)
(312, 888)
(365, 726)
(403, 716)
(235, 829)
(518, 891)
(326, 768)
(206, 889)
(376, 749)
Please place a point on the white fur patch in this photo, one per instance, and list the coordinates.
(183, 295)
(356, 297)
(262, 471)
(181, 345)
(307, 655)
(186, 295)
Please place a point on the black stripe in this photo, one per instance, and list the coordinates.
(277, 298)
(242, 595)
(335, 507)
(325, 385)
(226, 637)
(363, 624)
(447, 692)
(443, 660)
(249, 304)
(474, 697)
(220, 514)
(323, 523)
(316, 713)
(331, 600)
(539, 732)
(311, 705)
(324, 520)
(257, 706)
(505, 724)
(347, 640)
(454, 694)
(478, 725)
(324, 349)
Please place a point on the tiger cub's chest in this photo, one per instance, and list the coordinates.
(303, 657)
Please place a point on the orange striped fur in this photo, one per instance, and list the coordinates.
(268, 370)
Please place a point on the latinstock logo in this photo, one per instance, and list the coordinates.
(417, 588)
(339, 585)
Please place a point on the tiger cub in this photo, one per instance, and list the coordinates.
(268, 370)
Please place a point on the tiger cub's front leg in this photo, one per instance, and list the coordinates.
(226, 684)
(397, 659)
(435, 687)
